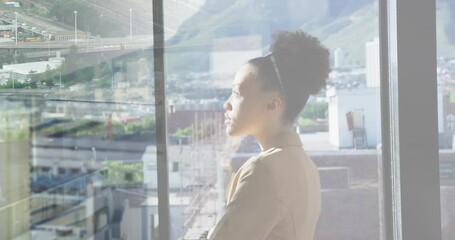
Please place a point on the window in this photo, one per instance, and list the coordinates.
(76, 117)
(79, 123)
(445, 19)
(202, 58)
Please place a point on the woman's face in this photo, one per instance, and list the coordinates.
(246, 108)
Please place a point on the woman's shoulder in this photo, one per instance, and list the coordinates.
(288, 161)
(276, 158)
(283, 154)
(257, 166)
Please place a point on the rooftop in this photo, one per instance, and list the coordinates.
(36, 67)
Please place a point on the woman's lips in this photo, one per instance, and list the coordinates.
(226, 118)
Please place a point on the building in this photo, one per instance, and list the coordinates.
(13, 4)
(22, 71)
(339, 58)
(372, 63)
(357, 100)
(14, 189)
(69, 35)
(354, 112)
(150, 171)
(15, 171)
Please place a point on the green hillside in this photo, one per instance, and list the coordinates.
(445, 49)
(349, 32)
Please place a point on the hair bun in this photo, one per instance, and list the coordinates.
(302, 60)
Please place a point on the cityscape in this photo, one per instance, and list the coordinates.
(78, 123)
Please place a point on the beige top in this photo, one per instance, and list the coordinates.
(274, 195)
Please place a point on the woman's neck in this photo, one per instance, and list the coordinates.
(271, 136)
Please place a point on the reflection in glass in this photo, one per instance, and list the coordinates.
(77, 118)
(445, 19)
(339, 128)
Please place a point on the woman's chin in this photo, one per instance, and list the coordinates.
(229, 132)
(232, 132)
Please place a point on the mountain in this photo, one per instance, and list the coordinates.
(348, 31)
(346, 24)
(227, 18)
(445, 28)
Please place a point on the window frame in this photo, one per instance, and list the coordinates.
(411, 185)
(409, 119)
(164, 219)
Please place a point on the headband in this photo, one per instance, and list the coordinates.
(277, 71)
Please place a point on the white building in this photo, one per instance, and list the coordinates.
(13, 4)
(21, 71)
(372, 63)
(177, 180)
(7, 27)
(341, 102)
(338, 58)
(354, 114)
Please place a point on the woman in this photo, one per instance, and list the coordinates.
(276, 194)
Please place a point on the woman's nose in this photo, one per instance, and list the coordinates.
(227, 106)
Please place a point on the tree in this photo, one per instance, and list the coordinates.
(104, 76)
(84, 75)
(17, 85)
(49, 76)
(74, 69)
(21, 58)
(315, 110)
(184, 132)
(33, 79)
(72, 62)
(305, 122)
(9, 58)
(120, 173)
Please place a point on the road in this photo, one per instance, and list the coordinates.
(39, 23)
(84, 45)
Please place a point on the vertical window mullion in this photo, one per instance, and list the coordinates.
(412, 142)
(161, 126)
(387, 207)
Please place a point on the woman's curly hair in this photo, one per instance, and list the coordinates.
(303, 64)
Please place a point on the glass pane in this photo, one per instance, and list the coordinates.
(339, 127)
(77, 120)
(445, 19)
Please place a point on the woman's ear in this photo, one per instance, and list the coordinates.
(276, 103)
